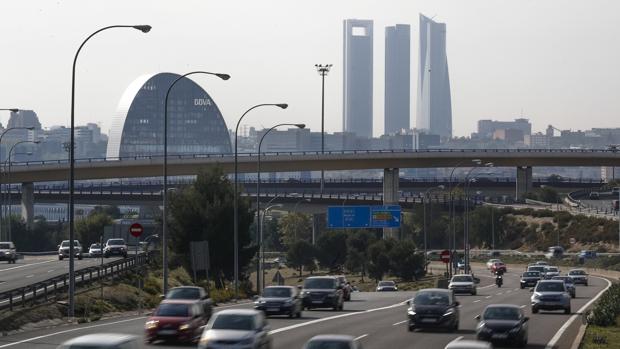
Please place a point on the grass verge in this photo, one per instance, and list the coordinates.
(598, 337)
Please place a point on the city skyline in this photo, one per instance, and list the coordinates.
(549, 82)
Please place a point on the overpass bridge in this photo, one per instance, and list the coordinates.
(28, 173)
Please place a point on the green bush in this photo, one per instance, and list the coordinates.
(607, 308)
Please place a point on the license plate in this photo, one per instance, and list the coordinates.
(167, 332)
(273, 309)
(317, 302)
(429, 320)
(500, 336)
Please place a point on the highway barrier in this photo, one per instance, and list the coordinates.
(51, 288)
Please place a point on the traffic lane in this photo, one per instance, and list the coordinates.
(53, 337)
(25, 275)
(27, 261)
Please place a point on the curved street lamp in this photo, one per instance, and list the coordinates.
(9, 196)
(235, 199)
(144, 29)
(164, 230)
(424, 199)
(260, 228)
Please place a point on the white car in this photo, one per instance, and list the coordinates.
(468, 344)
(102, 341)
(115, 247)
(550, 272)
(490, 262)
(332, 341)
(7, 252)
(247, 328)
(64, 249)
(463, 283)
(95, 250)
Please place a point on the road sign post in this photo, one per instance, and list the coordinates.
(136, 230)
(445, 257)
(380, 216)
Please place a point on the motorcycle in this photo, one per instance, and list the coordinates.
(499, 280)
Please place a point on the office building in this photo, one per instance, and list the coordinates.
(487, 128)
(358, 80)
(434, 105)
(397, 102)
(195, 124)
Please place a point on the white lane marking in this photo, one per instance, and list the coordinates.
(516, 289)
(499, 294)
(67, 331)
(567, 324)
(523, 306)
(49, 271)
(508, 291)
(400, 322)
(456, 339)
(26, 265)
(29, 276)
(487, 297)
(312, 322)
(360, 337)
(476, 301)
(487, 286)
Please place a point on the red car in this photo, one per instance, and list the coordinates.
(178, 320)
(498, 266)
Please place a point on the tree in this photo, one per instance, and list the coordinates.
(89, 229)
(405, 263)
(379, 261)
(271, 235)
(295, 226)
(113, 211)
(301, 254)
(42, 236)
(332, 249)
(357, 251)
(204, 211)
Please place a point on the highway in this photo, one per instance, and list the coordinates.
(376, 319)
(34, 269)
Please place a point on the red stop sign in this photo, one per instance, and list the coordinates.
(136, 229)
(445, 256)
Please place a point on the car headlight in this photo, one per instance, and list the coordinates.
(449, 312)
(305, 293)
(515, 329)
(184, 327)
(203, 341)
(482, 328)
(536, 295)
(411, 311)
(151, 324)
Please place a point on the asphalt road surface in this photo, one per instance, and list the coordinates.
(34, 269)
(377, 320)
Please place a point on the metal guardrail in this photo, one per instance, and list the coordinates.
(319, 153)
(49, 289)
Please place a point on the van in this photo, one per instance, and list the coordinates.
(555, 252)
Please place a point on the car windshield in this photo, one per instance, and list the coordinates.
(233, 322)
(183, 293)
(5, 246)
(320, 283)
(278, 292)
(550, 287)
(95, 246)
(431, 298)
(576, 272)
(66, 243)
(172, 310)
(528, 274)
(537, 269)
(462, 278)
(328, 344)
(501, 313)
(552, 270)
(386, 283)
(566, 279)
(116, 242)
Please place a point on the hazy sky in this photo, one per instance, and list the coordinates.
(557, 60)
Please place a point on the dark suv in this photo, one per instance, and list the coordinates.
(433, 307)
(322, 292)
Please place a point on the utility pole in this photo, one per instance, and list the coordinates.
(323, 70)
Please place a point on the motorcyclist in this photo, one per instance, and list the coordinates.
(498, 278)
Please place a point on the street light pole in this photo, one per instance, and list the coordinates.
(164, 230)
(144, 29)
(323, 70)
(261, 257)
(260, 226)
(466, 220)
(424, 199)
(8, 178)
(236, 200)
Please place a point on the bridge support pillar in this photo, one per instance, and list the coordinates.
(524, 181)
(28, 203)
(391, 197)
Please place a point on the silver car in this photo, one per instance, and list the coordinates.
(332, 341)
(64, 249)
(7, 252)
(236, 328)
(102, 341)
(463, 284)
(579, 276)
(550, 295)
(550, 272)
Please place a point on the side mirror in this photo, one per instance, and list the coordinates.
(526, 319)
(408, 301)
(476, 280)
(457, 303)
(477, 317)
(299, 287)
(255, 297)
(532, 289)
(266, 328)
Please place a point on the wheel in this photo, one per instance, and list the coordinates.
(60, 258)
(567, 310)
(586, 283)
(410, 327)
(291, 314)
(534, 310)
(456, 326)
(336, 307)
(80, 257)
(523, 342)
(522, 287)
(474, 292)
(573, 295)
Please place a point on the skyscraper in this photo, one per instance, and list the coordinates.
(397, 78)
(357, 103)
(434, 106)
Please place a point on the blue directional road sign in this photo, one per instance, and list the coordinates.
(363, 216)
